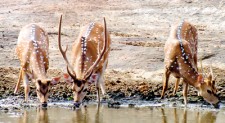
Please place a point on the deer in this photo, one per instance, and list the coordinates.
(88, 60)
(181, 61)
(33, 52)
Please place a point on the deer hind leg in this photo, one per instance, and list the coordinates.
(18, 82)
(102, 85)
(185, 91)
(26, 85)
(97, 84)
(176, 86)
(165, 83)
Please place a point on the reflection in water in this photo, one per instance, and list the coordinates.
(208, 117)
(24, 119)
(94, 114)
(163, 116)
(42, 115)
(84, 116)
(200, 117)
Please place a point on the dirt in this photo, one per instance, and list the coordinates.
(138, 29)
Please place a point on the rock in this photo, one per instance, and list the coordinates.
(117, 95)
(174, 104)
(6, 109)
(64, 95)
(113, 104)
(131, 105)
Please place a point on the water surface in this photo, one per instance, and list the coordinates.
(103, 114)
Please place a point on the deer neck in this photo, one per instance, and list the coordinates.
(190, 76)
(38, 66)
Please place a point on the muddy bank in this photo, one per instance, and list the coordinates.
(120, 86)
(138, 26)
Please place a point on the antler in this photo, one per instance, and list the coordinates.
(73, 75)
(203, 73)
(211, 71)
(91, 69)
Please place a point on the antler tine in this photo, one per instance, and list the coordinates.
(211, 71)
(73, 76)
(61, 50)
(202, 67)
(91, 69)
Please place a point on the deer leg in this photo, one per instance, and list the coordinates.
(165, 83)
(185, 89)
(176, 86)
(98, 91)
(26, 85)
(18, 82)
(102, 85)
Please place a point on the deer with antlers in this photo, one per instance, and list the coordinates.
(32, 51)
(181, 61)
(88, 61)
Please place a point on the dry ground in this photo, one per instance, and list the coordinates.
(138, 28)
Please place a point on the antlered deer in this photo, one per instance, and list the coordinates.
(88, 61)
(32, 51)
(181, 61)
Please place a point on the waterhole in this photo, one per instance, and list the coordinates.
(104, 114)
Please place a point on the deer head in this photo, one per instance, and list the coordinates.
(43, 88)
(207, 89)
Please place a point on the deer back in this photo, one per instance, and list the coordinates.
(32, 49)
(87, 48)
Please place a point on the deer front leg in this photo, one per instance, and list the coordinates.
(176, 86)
(165, 83)
(18, 82)
(185, 89)
(102, 85)
(98, 92)
(26, 85)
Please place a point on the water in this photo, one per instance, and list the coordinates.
(92, 114)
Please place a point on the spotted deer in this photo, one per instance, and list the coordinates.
(32, 51)
(181, 61)
(88, 60)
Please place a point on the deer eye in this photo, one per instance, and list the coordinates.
(210, 92)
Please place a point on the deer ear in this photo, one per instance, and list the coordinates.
(93, 79)
(67, 78)
(38, 81)
(210, 77)
(200, 78)
(55, 80)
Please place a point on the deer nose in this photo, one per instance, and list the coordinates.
(77, 104)
(44, 104)
(217, 105)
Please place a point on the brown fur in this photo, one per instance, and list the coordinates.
(32, 46)
(83, 62)
(182, 67)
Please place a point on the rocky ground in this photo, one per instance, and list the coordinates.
(138, 31)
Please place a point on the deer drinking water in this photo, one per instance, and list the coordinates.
(88, 60)
(32, 51)
(181, 61)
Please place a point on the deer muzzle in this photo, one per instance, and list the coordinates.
(44, 104)
(217, 105)
(77, 104)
